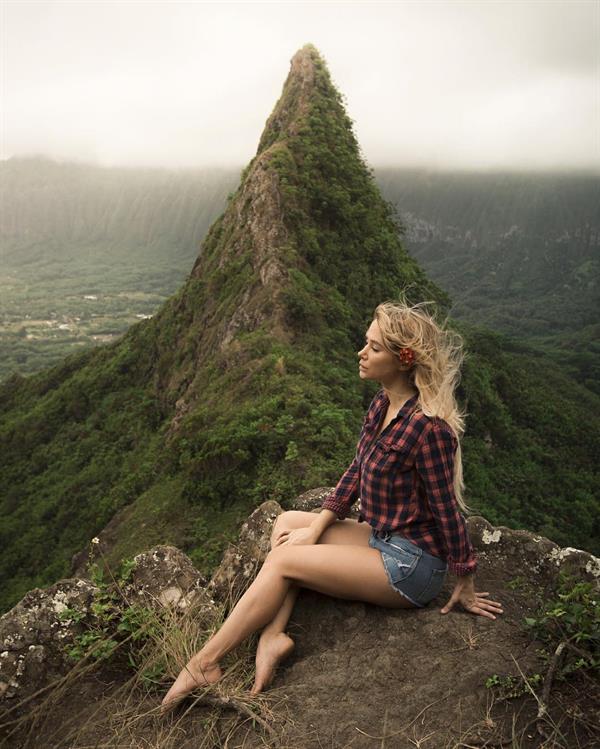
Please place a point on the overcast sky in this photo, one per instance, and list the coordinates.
(467, 85)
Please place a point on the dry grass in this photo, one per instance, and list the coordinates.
(127, 713)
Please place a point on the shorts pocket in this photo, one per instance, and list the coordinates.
(434, 586)
(400, 566)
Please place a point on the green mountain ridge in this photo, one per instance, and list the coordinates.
(243, 386)
(517, 253)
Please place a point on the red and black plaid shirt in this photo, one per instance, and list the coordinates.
(405, 481)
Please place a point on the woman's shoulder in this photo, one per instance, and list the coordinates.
(437, 425)
(433, 423)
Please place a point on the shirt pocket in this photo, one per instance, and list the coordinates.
(390, 457)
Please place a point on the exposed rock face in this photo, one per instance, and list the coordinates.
(254, 223)
(528, 554)
(356, 667)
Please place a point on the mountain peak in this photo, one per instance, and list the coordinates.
(307, 67)
(305, 250)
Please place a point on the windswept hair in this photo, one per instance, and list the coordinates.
(435, 372)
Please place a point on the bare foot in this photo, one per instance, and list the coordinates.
(270, 651)
(197, 673)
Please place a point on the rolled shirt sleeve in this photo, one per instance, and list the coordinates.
(435, 464)
(345, 493)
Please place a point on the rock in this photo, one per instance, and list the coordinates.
(241, 561)
(530, 554)
(33, 637)
(311, 500)
(165, 577)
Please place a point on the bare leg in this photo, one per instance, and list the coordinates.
(256, 608)
(274, 644)
(269, 601)
(344, 532)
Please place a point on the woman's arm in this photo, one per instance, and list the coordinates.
(322, 521)
(435, 465)
(311, 533)
(345, 493)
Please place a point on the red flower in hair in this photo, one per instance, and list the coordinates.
(407, 356)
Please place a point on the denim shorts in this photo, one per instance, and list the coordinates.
(412, 572)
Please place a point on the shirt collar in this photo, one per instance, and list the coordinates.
(408, 405)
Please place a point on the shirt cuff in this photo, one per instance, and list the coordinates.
(341, 509)
(462, 568)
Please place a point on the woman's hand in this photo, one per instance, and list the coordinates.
(296, 536)
(465, 594)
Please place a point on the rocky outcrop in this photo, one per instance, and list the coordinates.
(34, 636)
(357, 669)
(165, 577)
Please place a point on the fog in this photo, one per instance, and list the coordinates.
(440, 85)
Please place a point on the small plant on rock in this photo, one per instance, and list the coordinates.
(111, 619)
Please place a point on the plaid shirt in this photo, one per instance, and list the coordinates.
(405, 481)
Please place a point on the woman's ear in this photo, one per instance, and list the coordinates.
(400, 365)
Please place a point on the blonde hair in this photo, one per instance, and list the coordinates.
(435, 371)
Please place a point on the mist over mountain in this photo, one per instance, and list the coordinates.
(243, 385)
(85, 251)
(517, 252)
(70, 212)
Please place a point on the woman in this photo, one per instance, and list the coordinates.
(408, 474)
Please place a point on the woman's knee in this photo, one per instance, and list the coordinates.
(276, 557)
(288, 520)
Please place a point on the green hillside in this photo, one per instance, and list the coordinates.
(243, 386)
(86, 251)
(517, 252)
